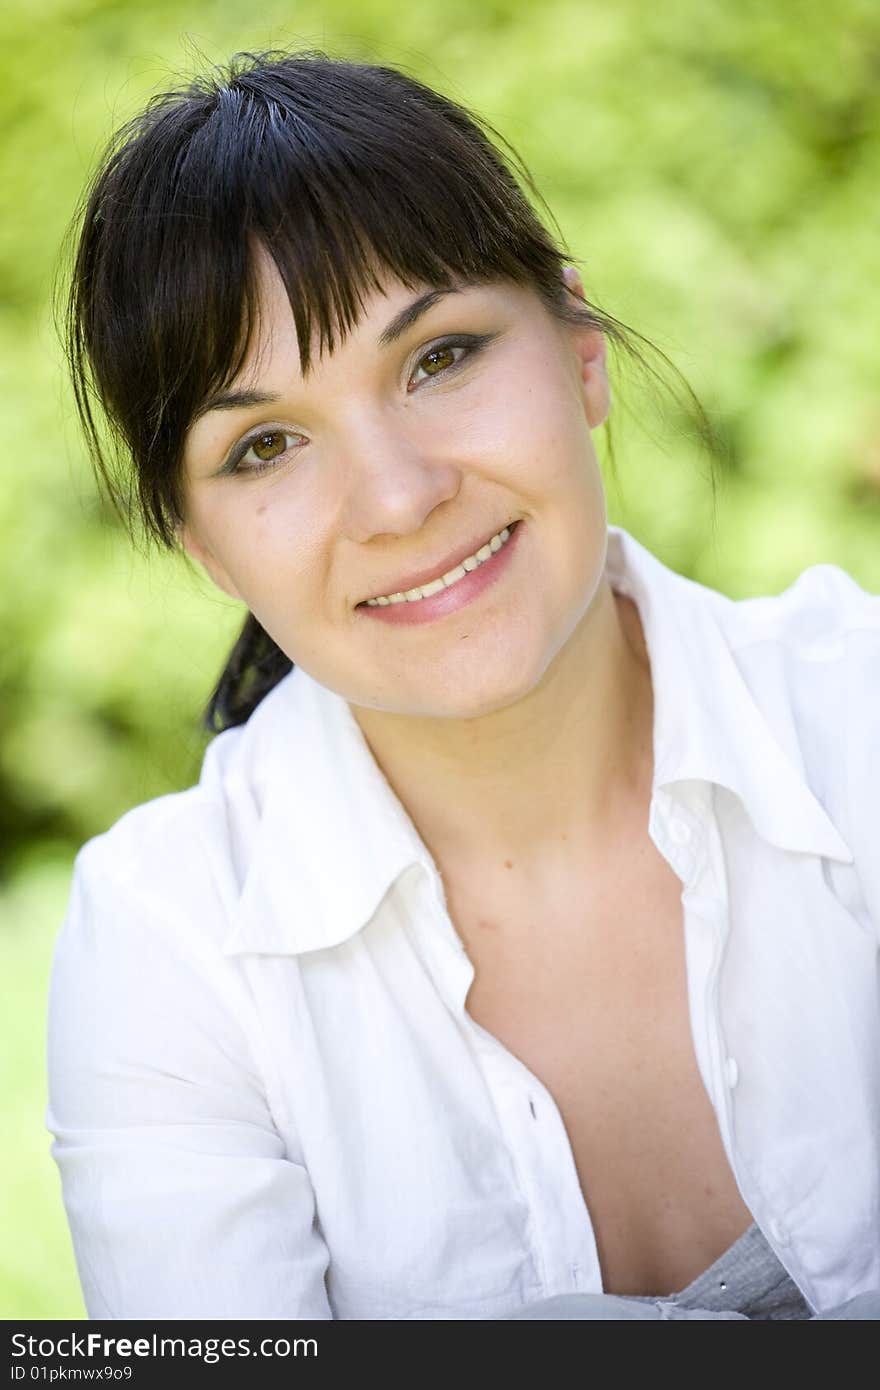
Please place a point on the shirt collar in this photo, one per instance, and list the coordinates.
(333, 837)
(707, 724)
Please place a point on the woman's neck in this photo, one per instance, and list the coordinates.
(542, 782)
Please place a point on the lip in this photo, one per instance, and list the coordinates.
(449, 601)
(427, 573)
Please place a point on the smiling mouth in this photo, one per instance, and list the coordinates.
(439, 581)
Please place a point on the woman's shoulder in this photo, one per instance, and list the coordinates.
(182, 856)
(812, 652)
(819, 608)
(812, 615)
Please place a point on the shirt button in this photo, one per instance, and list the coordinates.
(731, 1071)
(680, 832)
(779, 1232)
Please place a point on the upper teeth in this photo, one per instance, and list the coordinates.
(471, 562)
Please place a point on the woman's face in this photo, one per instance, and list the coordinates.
(386, 467)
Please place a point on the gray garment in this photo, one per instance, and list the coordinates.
(747, 1278)
(746, 1283)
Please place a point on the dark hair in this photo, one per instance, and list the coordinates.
(339, 169)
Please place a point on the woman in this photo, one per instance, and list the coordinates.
(515, 954)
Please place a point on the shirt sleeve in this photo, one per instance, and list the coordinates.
(180, 1197)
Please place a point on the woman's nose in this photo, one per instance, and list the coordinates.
(395, 483)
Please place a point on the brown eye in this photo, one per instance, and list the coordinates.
(445, 358)
(269, 445)
(440, 358)
(261, 452)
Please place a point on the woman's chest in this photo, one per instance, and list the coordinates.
(448, 1183)
(592, 997)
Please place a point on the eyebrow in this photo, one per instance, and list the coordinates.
(404, 319)
(408, 315)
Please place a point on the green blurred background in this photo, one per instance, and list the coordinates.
(717, 169)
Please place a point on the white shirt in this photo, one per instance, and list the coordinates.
(267, 1097)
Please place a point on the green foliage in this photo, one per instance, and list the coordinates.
(715, 170)
(37, 1269)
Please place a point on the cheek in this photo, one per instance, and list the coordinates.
(538, 428)
(282, 563)
(255, 533)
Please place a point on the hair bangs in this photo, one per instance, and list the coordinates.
(344, 174)
(338, 216)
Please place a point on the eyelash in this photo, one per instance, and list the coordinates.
(471, 343)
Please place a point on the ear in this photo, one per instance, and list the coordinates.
(215, 571)
(591, 350)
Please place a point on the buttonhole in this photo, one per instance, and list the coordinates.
(532, 1108)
